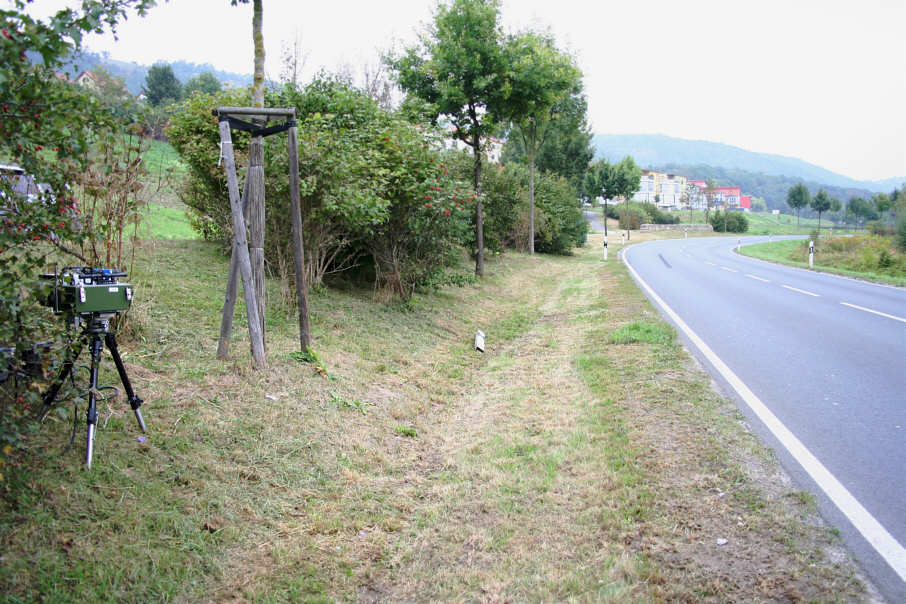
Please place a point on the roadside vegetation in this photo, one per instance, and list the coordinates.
(872, 257)
(582, 456)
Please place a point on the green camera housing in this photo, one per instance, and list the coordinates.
(88, 291)
(83, 299)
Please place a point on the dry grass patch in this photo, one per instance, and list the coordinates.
(556, 466)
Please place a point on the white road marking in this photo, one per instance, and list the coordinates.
(801, 291)
(710, 263)
(757, 278)
(732, 270)
(872, 530)
(877, 312)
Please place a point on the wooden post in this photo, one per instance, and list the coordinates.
(229, 302)
(298, 248)
(255, 183)
(240, 247)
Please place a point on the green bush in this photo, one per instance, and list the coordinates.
(559, 223)
(900, 235)
(736, 222)
(876, 227)
(373, 187)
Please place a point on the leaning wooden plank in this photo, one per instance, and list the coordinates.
(241, 247)
(298, 249)
(229, 303)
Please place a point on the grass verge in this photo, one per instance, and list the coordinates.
(582, 457)
(863, 257)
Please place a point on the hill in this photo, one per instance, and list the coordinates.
(650, 150)
(134, 73)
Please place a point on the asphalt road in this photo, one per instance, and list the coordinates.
(827, 358)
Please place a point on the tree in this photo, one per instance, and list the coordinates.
(538, 78)
(797, 198)
(205, 82)
(835, 205)
(597, 183)
(759, 205)
(625, 179)
(567, 148)
(457, 71)
(882, 203)
(612, 180)
(860, 209)
(161, 86)
(820, 203)
(729, 222)
(46, 128)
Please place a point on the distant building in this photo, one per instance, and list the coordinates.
(665, 190)
(724, 197)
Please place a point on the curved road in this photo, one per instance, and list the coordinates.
(826, 356)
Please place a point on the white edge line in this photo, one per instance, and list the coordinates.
(872, 530)
(758, 278)
(877, 312)
(801, 291)
(727, 268)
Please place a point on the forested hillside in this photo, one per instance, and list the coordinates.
(651, 150)
(134, 74)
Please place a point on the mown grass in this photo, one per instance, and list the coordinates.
(581, 457)
(869, 257)
(162, 222)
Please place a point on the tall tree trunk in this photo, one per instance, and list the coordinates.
(479, 210)
(258, 40)
(256, 172)
(531, 191)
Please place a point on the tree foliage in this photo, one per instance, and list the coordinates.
(161, 86)
(457, 72)
(539, 78)
(567, 149)
(374, 188)
(610, 181)
(821, 203)
(797, 198)
(204, 82)
(47, 128)
(729, 222)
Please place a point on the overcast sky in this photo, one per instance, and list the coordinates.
(821, 80)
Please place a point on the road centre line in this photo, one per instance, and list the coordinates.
(710, 263)
(732, 270)
(801, 291)
(873, 531)
(877, 312)
(757, 278)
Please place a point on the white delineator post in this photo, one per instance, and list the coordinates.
(738, 244)
(811, 254)
(605, 247)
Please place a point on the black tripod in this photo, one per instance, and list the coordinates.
(96, 332)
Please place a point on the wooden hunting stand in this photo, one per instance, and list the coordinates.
(248, 253)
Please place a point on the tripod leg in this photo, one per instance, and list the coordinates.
(54, 389)
(96, 347)
(134, 401)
